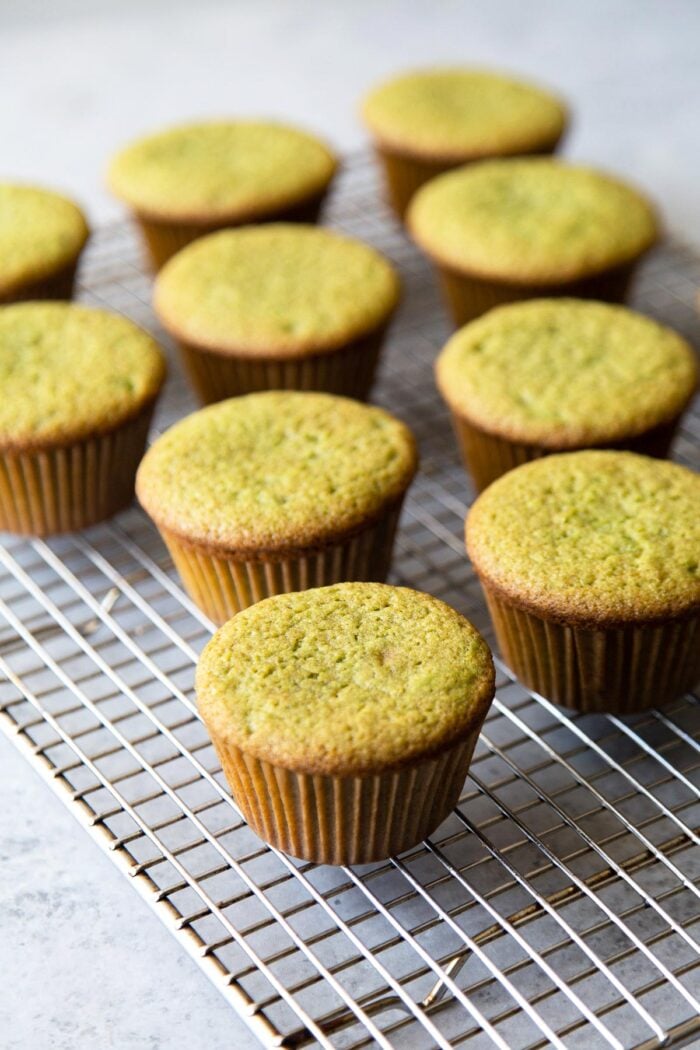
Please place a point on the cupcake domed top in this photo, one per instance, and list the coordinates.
(531, 220)
(461, 114)
(345, 679)
(40, 233)
(283, 288)
(566, 372)
(220, 171)
(67, 371)
(276, 470)
(592, 537)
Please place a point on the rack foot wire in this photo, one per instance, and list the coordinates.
(557, 906)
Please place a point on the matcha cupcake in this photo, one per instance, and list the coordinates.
(187, 181)
(41, 237)
(590, 562)
(275, 307)
(554, 375)
(428, 121)
(529, 228)
(79, 386)
(345, 717)
(277, 491)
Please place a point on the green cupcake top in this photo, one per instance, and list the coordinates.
(461, 114)
(592, 537)
(69, 371)
(276, 470)
(348, 679)
(40, 233)
(220, 171)
(283, 289)
(531, 220)
(564, 373)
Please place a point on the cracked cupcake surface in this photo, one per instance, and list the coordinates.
(282, 290)
(457, 114)
(565, 373)
(345, 679)
(531, 220)
(276, 470)
(594, 537)
(220, 171)
(67, 371)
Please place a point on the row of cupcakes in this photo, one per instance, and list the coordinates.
(588, 560)
(525, 380)
(190, 180)
(289, 306)
(498, 231)
(345, 717)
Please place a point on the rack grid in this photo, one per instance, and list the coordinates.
(559, 904)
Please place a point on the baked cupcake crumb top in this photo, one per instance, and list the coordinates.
(565, 372)
(276, 470)
(591, 537)
(531, 220)
(40, 233)
(220, 171)
(281, 289)
(67, 371)
(345, 679)
(457, 114)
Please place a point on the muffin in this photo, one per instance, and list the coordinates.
(79, 386)
(505, 230)
(345, 717)
(41, 237)
(277, 491)
(190, 180)
(428, 121)
(278, 307)
(590, 563)
(554, 375)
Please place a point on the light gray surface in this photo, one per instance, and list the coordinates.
(84, 963)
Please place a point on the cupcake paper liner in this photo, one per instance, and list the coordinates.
(349, 371)
(333, 819)
(66, 488)
(618, 670)
(468, 297)
(164, 239)
(222, 585)
(404, 175)
(59, 285)
(487, 456)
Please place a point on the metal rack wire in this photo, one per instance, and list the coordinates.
(557, 906)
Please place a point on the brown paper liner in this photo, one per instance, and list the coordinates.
(222, 585)
(405, 174)
(349, 371)
(469, 296)
(66, 488)
(346, 820)
(59, 285)
(163, 239)
(487, 456)
(619, 670)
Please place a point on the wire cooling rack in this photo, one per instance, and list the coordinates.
(557, 906)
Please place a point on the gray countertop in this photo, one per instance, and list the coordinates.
(84, 962)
